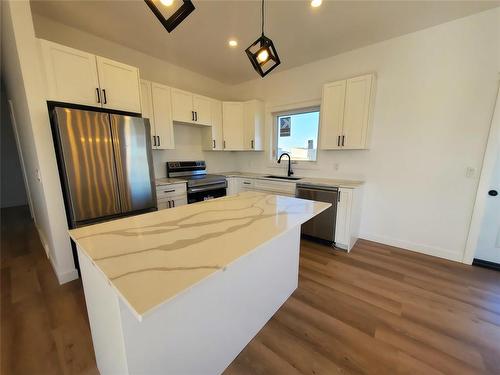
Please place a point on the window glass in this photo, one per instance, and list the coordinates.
(297, 134)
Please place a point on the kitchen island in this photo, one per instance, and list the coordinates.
(182, 291)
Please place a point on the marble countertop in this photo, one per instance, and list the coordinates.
(304, 180)
(149, 259)
(169, 181)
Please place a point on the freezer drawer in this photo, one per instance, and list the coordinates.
(321, 226)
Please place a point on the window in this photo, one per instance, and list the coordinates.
(297, 134)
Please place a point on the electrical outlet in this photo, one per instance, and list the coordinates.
(470, 172)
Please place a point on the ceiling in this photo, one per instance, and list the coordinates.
(300, 33)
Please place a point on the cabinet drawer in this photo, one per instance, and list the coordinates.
(246, 184)
(287, 188)
(169, 191)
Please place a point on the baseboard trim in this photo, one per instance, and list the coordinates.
(486, 264)
(419, 248)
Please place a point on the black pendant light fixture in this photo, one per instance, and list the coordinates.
(262, 53)
(176, 18)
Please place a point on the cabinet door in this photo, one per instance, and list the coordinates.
(202, 109)
(232, 123)
(182, 106)
(342, 228)
(71, 74)
(179, 201)
(212, 136)
(162, 113)
(357, 111)
(233, 186)
(119, 85)
(332, 115)
(147, 108)
(253, 124)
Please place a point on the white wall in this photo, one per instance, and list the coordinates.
(435, 97)
(23, 81)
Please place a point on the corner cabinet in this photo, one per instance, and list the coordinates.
(347, 113)
(348, 217)
(156, 104)
(191, 108)
(78, 77)
(243, 125)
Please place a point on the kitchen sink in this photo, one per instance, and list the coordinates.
(283, 177)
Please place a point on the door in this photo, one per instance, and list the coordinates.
(119, 85)
(203, 110)
(357, 112)
(182, 106)
(332, 115)
(134, 163)
(232, 122)
(162, 113)
(147, 108)
(488, 246)
(89, 166)
(71, 74)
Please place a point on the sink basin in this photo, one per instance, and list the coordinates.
(284, 177)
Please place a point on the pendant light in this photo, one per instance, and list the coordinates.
(262, 53)
(176, 18)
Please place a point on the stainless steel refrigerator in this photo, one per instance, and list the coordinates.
(105, 164)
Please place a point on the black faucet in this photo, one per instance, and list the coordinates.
(290, 172)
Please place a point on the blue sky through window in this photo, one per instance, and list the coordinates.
(304, 127)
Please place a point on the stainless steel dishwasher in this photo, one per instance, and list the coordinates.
(321, 226)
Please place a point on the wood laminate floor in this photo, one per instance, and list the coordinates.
(376, 310)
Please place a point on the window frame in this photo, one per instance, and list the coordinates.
(294, 111)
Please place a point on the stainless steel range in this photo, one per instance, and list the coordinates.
(200, 185)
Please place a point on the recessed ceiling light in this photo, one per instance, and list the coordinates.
(167, 3)
(316, 3)
(232, 43)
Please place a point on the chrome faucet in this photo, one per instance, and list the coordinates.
(290, 172)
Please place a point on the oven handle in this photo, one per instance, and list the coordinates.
(220, 185)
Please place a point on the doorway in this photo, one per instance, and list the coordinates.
(483, 243)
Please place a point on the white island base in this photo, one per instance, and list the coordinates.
(202, 329)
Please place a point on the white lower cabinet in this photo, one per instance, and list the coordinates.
(236, 185)
(348, 217)
(233, 187)
(170, 196)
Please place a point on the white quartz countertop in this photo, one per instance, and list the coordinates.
(149, 259)
(303, 180)
(169, 181)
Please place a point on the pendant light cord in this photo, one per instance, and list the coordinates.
(262, 13)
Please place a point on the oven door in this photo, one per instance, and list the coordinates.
(206, 192)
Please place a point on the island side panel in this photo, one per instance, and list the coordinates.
(202, 330)
(103, 309)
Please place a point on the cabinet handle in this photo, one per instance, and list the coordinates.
(104, 96)
(224, 146)
(98, 96)
(169, 206)
(338, 141)
(154, 140)
(246, 183)
(343, 137)
(158, 141)
(173, 204)
(214, 143)
(192, 115)
(251, 143)
(195, 116)
(169, 191)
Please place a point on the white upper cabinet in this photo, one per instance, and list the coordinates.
(79, 77)
(212, 135)
(202, 110)
(182, 106)
(191, 108)
(147, 108)
(232, 124)
(162, 112)
(243, 125)
(156, 106)
(119, 85)
(253, 124)
(71, 74)
(346, 113)
(332, 115)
